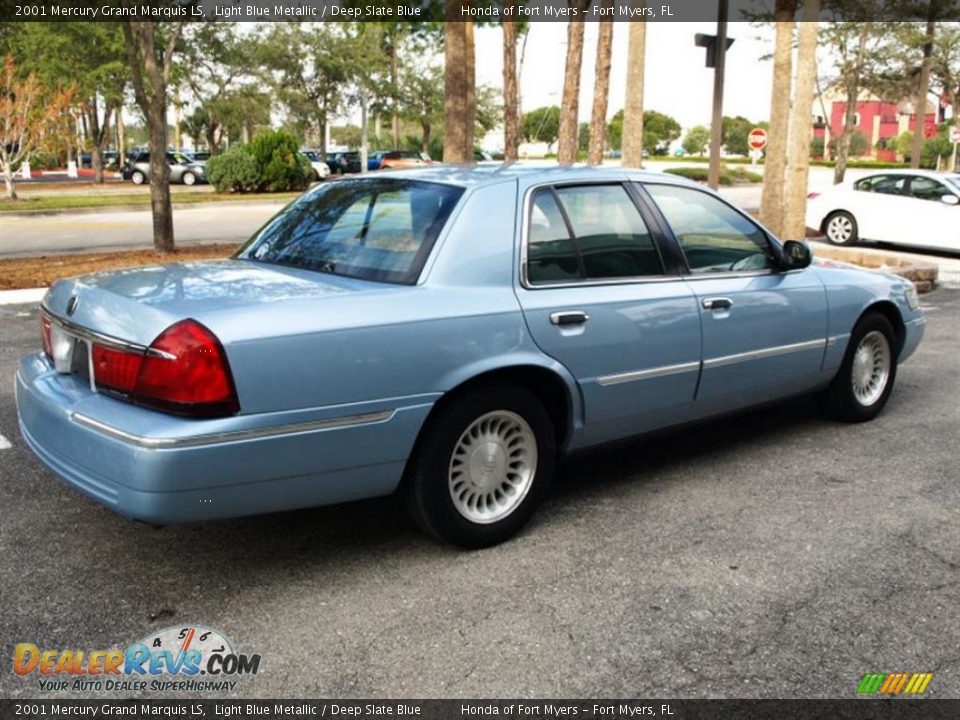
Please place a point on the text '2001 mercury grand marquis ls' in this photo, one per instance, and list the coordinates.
(447, 332)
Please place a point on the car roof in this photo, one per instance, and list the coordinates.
(489, 174)
(908, 171)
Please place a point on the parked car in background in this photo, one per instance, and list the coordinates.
(454, 329)
(182, 169)
(320, 168)
(482, 156)
(343, 163)
(200, 157)
(905, 207)
(401, 159)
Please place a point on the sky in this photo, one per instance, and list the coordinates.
(676, 80)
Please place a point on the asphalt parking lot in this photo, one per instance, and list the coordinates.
(773, 554)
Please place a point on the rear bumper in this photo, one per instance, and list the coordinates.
(162, 469)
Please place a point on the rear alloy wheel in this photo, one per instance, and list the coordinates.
(865, 379)
(189, 178)
(841, 228)
(482, 466)
(137, 177)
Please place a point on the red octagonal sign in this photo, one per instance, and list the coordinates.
(757, 138)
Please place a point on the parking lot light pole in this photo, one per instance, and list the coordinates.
(716, 123)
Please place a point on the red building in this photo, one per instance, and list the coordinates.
(879, 122)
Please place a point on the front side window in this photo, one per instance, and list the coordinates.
(588, 232)
(924, 188)
(714, 237)
(380, 229)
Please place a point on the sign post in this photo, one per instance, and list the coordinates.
(757, 140)
(955, 139)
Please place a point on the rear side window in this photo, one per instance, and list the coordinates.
(883, 184)
(714, 237)
(588, 232)
(380, 229)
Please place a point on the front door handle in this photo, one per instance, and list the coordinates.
(717, 303)
(569, 317)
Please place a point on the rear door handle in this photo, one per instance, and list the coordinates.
(569, 317)
(717, 303)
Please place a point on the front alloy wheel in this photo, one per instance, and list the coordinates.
(138, 177)
(865, 379)
(189, 179)
(481, 465)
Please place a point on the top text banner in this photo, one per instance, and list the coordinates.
(485, 11)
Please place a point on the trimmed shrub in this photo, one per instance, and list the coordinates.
(234, 170)
(280, 165)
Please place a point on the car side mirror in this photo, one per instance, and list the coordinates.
(950, 199)
(796, 255)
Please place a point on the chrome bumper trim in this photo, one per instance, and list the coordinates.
(152, 443)
(765, 353)
(647, 374)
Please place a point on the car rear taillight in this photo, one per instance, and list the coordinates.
(185, 371)
(116, 369)
(47, 334)
(811, 196)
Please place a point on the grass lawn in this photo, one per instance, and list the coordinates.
(70, 202)
(34, 272)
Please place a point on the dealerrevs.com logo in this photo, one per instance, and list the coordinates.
(191, 659)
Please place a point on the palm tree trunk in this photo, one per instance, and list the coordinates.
(511, 98)
(632, 142)
(920, 104)
(471, 91)
(801, 130)
(567, 147)
(601, 92)
(771, 200)
(455, 96)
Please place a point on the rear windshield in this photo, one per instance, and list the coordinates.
(380, 229)
(954, 180)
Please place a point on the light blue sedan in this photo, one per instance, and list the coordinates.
(448, 333)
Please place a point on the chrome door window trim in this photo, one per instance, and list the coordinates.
(765, 353)
(153, 443)
(661, 371)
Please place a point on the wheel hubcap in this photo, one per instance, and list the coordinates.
(492, 467)
(840, 229)
(871, 368)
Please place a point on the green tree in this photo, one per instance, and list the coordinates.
(422, 98)
(92, 57)
(735, 132)
(541, 125)
(696, 139)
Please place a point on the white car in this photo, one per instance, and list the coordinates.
(906, 207)
(320, 169)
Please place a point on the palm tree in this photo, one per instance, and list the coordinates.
(632, 141)
(568, 137)
(801, 129)
(455, 92)
(771, 200)
(601, 91)
(511, 96)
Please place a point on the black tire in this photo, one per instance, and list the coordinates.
(839, 400)
(845, 220)
(428, 486)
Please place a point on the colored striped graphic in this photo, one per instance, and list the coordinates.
(894, 683)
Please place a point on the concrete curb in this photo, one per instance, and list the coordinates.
(139, 208)
(922, 274)
(22, 297)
